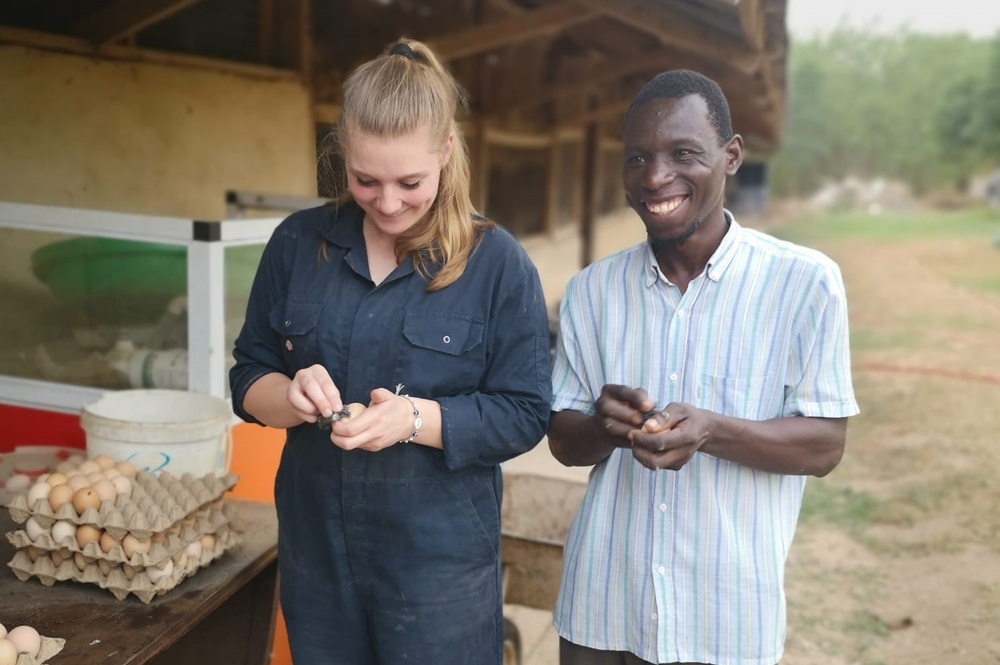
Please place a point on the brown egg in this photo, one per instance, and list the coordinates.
(104, 461)
(132, 545)
(86, 534)
(208, 543)
(57, 558)
(79, 561)
(55, 479)
(60, 495)
(108, 542)
(126, 469)
(88, 466)
(84, 499)
(356, 409)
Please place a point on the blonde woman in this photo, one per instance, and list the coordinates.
(402, 299)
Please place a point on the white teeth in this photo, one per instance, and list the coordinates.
(664, 208)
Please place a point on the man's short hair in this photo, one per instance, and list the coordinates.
(684, 82)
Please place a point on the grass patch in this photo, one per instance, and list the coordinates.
(842, 507)
(863, 339)
(893, 228)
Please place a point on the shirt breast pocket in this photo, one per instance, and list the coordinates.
(295, 323)
(751, 398)
(440, 355)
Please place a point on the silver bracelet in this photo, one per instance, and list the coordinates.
(417, 422)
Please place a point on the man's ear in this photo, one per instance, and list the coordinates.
(734, 154)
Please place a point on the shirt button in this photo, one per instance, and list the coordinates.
(680, 312)
(663, 507)
(446, 339)
(654, 616)
(288, 323)
(673, 376)
(661, 570)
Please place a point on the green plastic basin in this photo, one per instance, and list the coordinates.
(124, 282)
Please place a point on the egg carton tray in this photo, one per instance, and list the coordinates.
(206, 520)
(156, 503)
(51, 646)
(116, 581)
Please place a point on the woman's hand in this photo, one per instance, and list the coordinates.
(387, 421)
(313, 393)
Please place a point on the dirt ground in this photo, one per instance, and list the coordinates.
(897, 558)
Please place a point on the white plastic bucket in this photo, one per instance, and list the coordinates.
(161, 430)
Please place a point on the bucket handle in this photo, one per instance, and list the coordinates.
(228, 452)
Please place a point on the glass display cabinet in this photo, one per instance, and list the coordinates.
(92, 301)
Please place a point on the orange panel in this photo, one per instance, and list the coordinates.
(256, 453)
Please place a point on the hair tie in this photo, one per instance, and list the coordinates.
(404, 50)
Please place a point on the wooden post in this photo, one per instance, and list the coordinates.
(551, 212)
(591, 137)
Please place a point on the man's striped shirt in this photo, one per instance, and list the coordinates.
(689, 565)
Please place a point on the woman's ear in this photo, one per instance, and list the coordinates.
(449, 147)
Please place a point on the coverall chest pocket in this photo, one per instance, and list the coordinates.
(295, 323)
(443, 355)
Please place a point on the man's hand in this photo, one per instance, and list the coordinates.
(620, 410)
(671, 437)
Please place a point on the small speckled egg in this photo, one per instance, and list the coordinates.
(86, 498)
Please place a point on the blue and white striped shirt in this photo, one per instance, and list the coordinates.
(688, 566)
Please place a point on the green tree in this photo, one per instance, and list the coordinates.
(874, 105)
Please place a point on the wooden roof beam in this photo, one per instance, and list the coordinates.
(678, 32)
(597, 76)
(488, 36)
(751, 14)
(126, 17)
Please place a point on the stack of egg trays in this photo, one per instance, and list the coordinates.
(182, 509)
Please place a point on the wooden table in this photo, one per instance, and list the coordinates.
(222, 615)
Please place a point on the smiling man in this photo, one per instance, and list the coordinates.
(705, 373)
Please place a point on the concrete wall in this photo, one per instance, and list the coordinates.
(147, 138)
